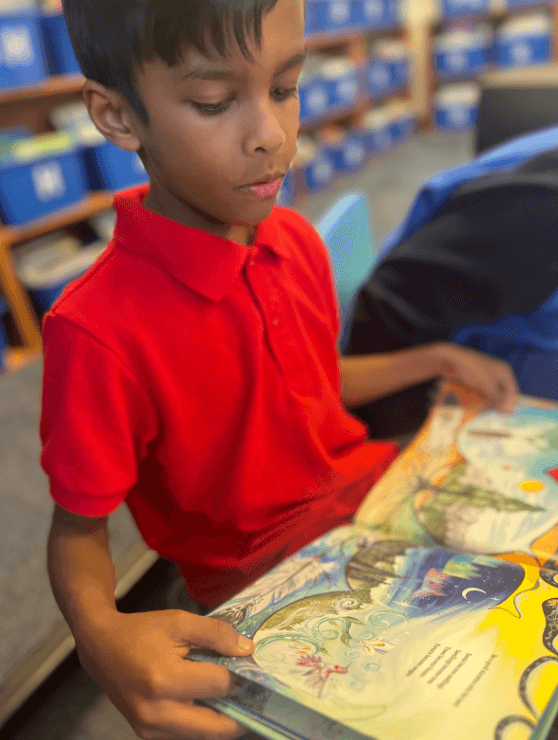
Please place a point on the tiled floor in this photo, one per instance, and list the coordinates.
(70, 706)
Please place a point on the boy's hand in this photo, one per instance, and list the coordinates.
(138, 660)
(490, 377)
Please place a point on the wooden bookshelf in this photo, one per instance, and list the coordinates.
(17, 297)
(59, 85)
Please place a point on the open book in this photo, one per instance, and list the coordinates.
(433, 617)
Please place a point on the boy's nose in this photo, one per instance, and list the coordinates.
(265, 129)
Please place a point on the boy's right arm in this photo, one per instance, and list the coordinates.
(138, 659)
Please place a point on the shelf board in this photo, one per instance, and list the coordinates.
(59, 85)
(326, 40)
(335, 116)
(92, 204)
(361, 106)
(16, 358)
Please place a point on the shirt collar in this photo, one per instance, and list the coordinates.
(205, 263)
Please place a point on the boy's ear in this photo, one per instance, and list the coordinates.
(111, 115)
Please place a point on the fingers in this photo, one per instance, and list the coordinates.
(213, 634)
(171, 720)
(191, 679)
(493, 378)
(508, 390)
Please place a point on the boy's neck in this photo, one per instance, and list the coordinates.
(171, 207)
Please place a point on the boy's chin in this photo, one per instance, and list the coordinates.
(257, 215)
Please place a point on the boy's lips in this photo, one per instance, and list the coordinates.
(266, 187)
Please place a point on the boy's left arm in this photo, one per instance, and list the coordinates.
(365, 378)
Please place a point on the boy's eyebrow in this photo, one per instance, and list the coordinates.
(208, 73)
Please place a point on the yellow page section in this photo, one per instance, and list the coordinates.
(484, 676)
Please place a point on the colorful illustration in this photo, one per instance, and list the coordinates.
(481, 483)
(403, 624)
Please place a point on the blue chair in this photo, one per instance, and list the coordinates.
(347, 232)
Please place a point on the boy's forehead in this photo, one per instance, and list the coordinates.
(282, 33)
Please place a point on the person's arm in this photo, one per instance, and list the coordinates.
(483, 257)
(369, 377)
(138, 659)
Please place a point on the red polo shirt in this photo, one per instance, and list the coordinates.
(197, 380)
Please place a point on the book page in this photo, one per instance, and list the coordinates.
(392, 640)
(477, 481)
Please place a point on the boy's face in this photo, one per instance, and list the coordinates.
(219, 128)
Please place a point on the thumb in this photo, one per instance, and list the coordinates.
(214, 634)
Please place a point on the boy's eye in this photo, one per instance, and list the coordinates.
(283, 93)
(212, 109)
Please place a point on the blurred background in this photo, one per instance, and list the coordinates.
(393, 91)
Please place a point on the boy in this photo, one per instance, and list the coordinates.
(193, 372)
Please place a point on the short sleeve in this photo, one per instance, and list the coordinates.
(96, 421)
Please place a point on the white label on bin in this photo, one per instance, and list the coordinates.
(322, 170)
(48, 181)
(457, 60)
(458, 116)
(339, 12)
(354, 153)
(379, 76)
(317, 99)
(16, 45)
(521, 52)
(373, 9)
(347, 89)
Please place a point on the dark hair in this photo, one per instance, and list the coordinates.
(113, 37)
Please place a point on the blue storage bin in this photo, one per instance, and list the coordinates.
(522, 3)
(58, 47)
(461, 62)
(522, 51)
(34, 183)
(378, 77)
(22, 60)
(459, 8)
(313, 96)
(377, 132)
(456, 107)
(455, 118)
(341, 91)
(368, 14)
(313, 21)
(111, 168)
(403, 128)
(392, 13)
(46, 280)
(319, 173)
(3, 335)
(383, 140)
(329, 15)
(367, 138)
(348, 155)
(399, 73)
(286, 195)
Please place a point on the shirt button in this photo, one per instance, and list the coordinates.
(252, 262)
(275, 322)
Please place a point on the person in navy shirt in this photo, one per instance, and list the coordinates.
(475, 262)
